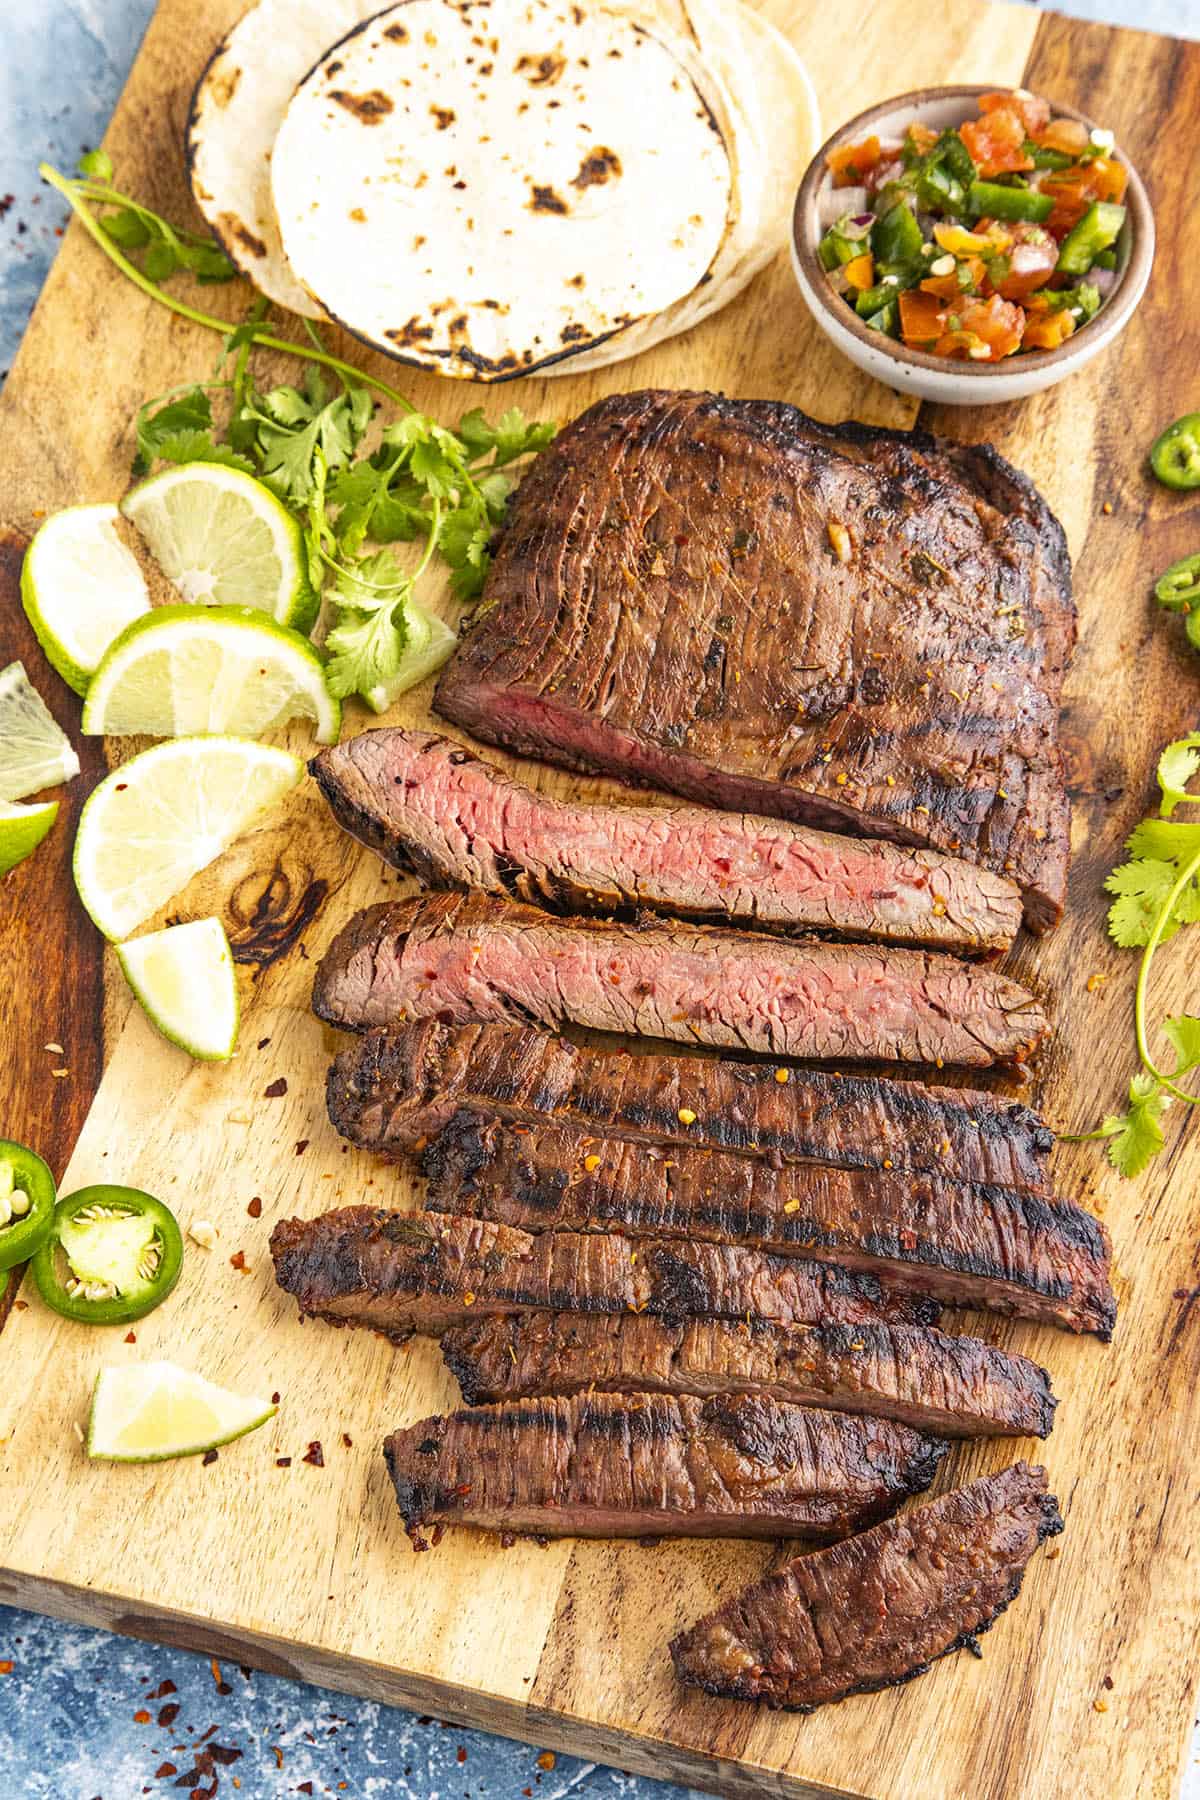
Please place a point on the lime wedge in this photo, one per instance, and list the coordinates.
(225, 540)
(151, 1411)
(165, 815)
(431, 642)
(188, 669)
(185, 980)
(34, 753)
(22, 829)
(81, 587)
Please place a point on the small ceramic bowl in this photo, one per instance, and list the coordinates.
(940, 378)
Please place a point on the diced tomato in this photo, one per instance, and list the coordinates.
(852, 164)
(1076, 187)
(1031, 109)
(860, 271)
(1031, 261)
(948, 286)
(1067, 135)
(991, 324)
(996, 141)
(922, 319)
(1047, 330)
(1107, 179)
(921, 137)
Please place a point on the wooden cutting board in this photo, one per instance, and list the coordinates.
(1086, 1686)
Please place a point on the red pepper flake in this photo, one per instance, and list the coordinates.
(347, 1440)
(215, 1666)
(168, 1714)
(255, 1207)
(162, 1690)
(20, 1306)
(238, 1260)
(141, 1716)
(6, 1667)
(314, 1454)
(276, 1090)
(164, 1769)
(304, 1787)
(275, 1399)
(302, 1146)
(462, 1754)
(207, 1460)
(278, 1755)
(283, 1462)
(263, 1042)
(546, 1760)
(131, 1337)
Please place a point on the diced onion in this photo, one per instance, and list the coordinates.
(834, 202)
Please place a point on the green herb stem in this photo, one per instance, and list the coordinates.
(1166, 912)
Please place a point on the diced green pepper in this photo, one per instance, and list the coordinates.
(886, 320)
(843, 242)
(1107, 259)
(1096, 231)
(871, 299)
(989, 199)
(951, 151)
(1175, 456)
(1042, 158)
(1085, 298)
(894, 193)
(896, 237)
(938, 191)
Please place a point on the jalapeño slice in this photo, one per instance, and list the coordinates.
(112, 1255)
(26, 1204)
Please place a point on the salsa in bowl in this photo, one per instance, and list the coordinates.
(967, 233)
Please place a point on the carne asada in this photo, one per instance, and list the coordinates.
(634, 1465)
(403, 1272)
(458, 957)
(855, 628)
(431, 808)
(969, 1243)
(392, 1090)
(951, 1386)
(875, 1611)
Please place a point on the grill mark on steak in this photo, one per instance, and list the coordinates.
(968, 1243)
(951, 1386)
(400, 1273)
(878, 1610)
(463, 957)
(430, 808)
(957, 595)
(633, 1465)
(391, 1091)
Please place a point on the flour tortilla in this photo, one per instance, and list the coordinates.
(778, 123)
(236, 110)
(483, 187)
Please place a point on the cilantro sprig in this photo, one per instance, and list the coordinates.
(1156, 892)
(422, 482)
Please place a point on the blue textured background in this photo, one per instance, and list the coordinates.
(68, 1709)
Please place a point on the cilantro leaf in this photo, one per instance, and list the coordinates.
(96, 165)
(181, 431)
(512, 435)
(1165, 840)
(368, 638)
(199, 446)
(1136, 1136)
(1184, 1033)
(1141, 888)
(1176, 766)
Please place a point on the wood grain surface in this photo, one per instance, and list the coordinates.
(1086, 1686)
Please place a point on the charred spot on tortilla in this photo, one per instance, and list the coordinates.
(232, 227)
(397, 33)
(597, 168)
(545, 200)
(412, 333)
(224, 87)
(542, 71)
(332, 69)
(571, 334)
(444, 117)
(358, 215)
(368, 109)
(577, 281)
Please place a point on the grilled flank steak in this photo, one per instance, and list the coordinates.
(878, 1609)
(462, 957)
(402, 1272)
(429, 807)
(860, 629)
(967, 1243)
(639, 1465)
(951, 1386)
(391, 1091)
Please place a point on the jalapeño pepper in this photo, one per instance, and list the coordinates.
(1178, 588)
(26, 1204)
(1096, 232)
(112, 1254)
(896, 236)
(992, 200)
(1175, 456)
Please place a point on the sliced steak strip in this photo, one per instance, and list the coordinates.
(951, 1386)
(875, 1611)
(430, 808)
(404, 1272)
(637, 1465)
(460, 957)
(391, 1091)
(666, 605)
(968, 1243)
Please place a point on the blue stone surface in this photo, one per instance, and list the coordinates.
(68, 1724)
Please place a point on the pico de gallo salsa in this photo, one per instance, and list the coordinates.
(982, 241)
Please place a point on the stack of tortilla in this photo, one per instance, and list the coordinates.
(487, 188)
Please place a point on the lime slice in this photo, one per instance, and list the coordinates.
(151, 1411)
(185, 980)
(225, 540)
(188, 669)
(431, 642)
(165, 815)
(22, 829)
(34, 753)
(81, 587)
